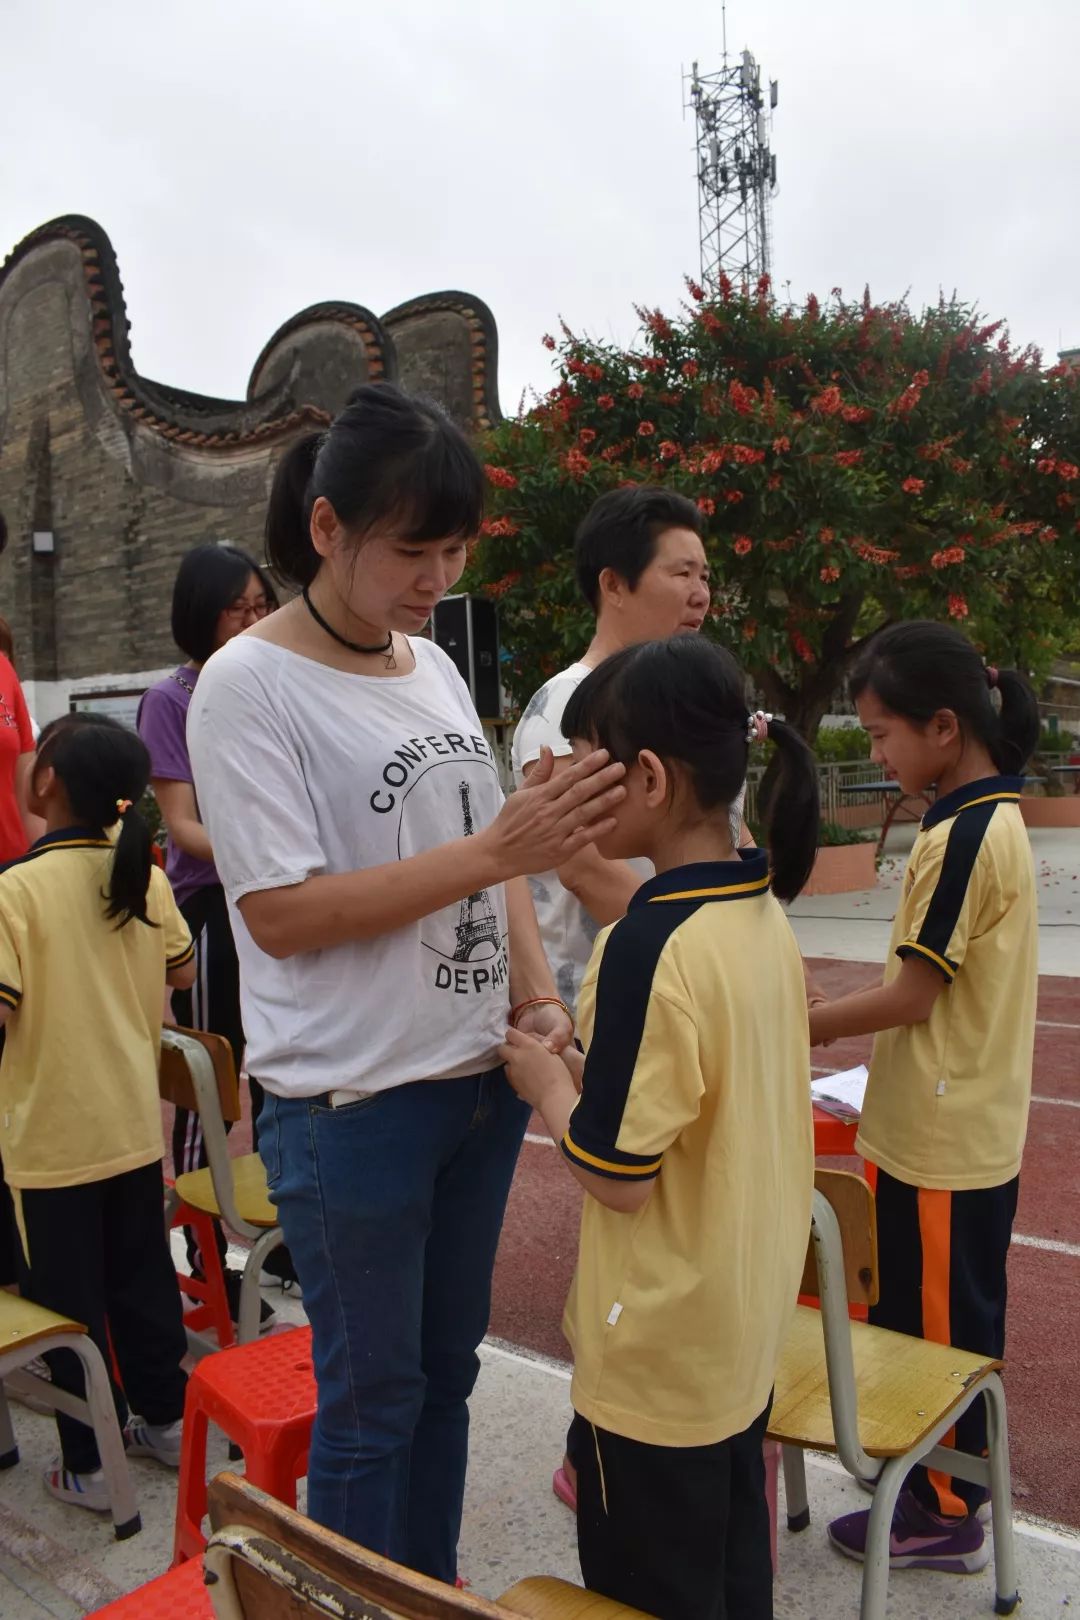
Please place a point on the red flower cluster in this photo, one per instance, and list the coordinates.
(635, 391)
(913, 486)
(742, 399)
(606, 402)
(908, 570)
(706, 504)
(948, 558)
(907, 401)
(667, 449)
(875, 554)
(958, 608)
(653, 365)
(829, 576)
(801, 647)
(712, 323)
(848, 458)
(646, 430)
(857, 414)
(576, 464)
(743, 544)
(713, 460)
(499, 587)
(749, 629)
(658, 324)
(586, 436)
(548, 341)
(498, 526)
(781, 444)
(1064, 469)
(690, 368)
(697, 293)
(733, 496)
(746, 455)
(828, 402)
(501, 477)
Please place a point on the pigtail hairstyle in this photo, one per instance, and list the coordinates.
(685, 700)
(387, 460)
(105, 768)
(919, 668)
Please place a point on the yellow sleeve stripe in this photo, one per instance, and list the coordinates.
(10, 997)
(184, 957)
(589, 1161)
(924, 950)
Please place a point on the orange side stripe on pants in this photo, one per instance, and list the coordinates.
(935, 1232)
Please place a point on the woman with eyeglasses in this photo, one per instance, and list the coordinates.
(219, 591)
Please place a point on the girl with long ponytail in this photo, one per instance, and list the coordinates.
(954, 1023)
(89, 937)
(693, 1138)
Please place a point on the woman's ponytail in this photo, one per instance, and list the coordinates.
(289, 550)
(105, 768)
(795, 811)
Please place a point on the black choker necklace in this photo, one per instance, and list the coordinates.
(385, 647)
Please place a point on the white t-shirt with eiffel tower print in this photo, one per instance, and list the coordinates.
(301, 769)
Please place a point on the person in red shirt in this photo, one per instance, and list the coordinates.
(16, 759)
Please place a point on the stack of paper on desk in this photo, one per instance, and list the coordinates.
(841, 1094)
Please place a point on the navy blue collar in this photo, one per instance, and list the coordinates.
(988, 788)
(709, 880)
(70, 838)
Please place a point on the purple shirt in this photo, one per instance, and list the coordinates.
(162, 723)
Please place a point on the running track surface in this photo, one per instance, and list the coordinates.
(539, 1245)
(539, 1242)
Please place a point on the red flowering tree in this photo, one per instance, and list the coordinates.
(855, 464)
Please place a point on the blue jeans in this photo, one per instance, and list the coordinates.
(392, 1207)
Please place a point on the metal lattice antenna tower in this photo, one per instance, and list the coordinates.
(736, 169)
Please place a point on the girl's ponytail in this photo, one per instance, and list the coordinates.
(105, 768)
(795, 811)
(1019, 726)
(129, 878)
(289, 550)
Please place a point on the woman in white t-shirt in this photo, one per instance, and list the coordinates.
(386, 936)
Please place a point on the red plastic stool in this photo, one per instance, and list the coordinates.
(211, 1302)
(263, 1396)
(177, 1595)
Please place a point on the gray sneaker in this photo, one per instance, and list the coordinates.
(162, 1441)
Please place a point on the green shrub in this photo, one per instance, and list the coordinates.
(832, 834)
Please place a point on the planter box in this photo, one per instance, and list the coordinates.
(1063, 811)
(842, 868)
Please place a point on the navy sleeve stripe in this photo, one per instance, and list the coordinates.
(623, 988)
(961, 852)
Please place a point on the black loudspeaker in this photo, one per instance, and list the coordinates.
(467, 628)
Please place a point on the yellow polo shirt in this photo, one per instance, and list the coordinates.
(78, 1079)
(697, 1075)
(947, 1101)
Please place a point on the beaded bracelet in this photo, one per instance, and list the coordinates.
(539, 1001)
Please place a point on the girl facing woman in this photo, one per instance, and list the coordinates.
(693, 1139)
(219, 591)
(385, 933)
(89, 937)
(953, 1023)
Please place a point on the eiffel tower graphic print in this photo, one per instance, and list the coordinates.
(477, 922)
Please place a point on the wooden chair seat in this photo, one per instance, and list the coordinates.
(196, 1189)
(22, 1323)
(906, 1386)
(542, 1597)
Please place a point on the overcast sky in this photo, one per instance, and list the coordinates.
(249, 157)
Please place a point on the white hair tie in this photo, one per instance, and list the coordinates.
(757, 726)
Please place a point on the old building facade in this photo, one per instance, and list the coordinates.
(107, 478)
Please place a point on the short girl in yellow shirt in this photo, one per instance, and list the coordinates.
(954, 1022)
(89, 936)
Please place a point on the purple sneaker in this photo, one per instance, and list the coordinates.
(919, 1539)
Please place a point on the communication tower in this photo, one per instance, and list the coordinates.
(736, 168)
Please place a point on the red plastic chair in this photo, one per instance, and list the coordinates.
(263, 1396)
(210, 1308)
